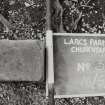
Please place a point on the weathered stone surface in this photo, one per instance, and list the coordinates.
(79, 71)
(21, 60)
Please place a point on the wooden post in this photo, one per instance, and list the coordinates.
(48, 15)
(50, 68)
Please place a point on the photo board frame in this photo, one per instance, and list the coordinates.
(77, 64)
(22, 60)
